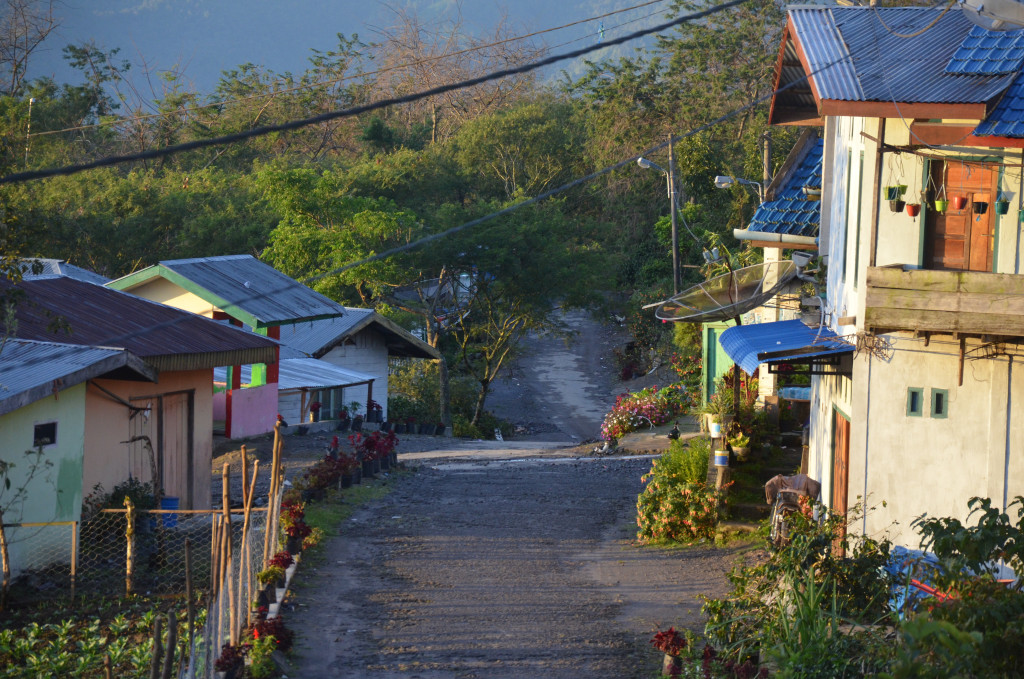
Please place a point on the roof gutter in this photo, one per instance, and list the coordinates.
(747, 234)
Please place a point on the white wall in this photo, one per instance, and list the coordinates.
(368, 355)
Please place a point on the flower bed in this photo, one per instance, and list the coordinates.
(645, 408)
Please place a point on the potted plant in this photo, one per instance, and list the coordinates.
(718, 410)
(1002, 205)
(230, 662)
(958, 202)
(314, 411)
(271, 575)
(896, 205)
(895, 191)
(671, 643)
(740, 444)
(979, 207)
(913, 209)
(344, 421)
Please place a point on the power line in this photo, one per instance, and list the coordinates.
(480, 220)
(345, 113)
(334, 81)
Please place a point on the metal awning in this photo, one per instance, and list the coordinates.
(306, 373)
(782, 342)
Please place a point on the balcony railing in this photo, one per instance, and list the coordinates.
(946, 302)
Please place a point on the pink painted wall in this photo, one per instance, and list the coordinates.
(253, 410)
(220, 405)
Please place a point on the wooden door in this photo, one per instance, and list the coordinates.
(840, 462)
(840, 469)
(962, 240)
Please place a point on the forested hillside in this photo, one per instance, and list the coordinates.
(312, 200)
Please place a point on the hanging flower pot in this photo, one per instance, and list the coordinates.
(941, 205)
(913, 209)
(1002, 207)
(894, 192)
(959, 202)
(896, 205)
(980, 207)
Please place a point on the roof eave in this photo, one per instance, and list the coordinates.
(214, 359)
(420, 348)
(905, 110)
(122, 359)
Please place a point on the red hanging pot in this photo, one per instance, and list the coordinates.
(913, 209)
(959, 202)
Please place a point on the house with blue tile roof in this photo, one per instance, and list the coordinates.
(921, 118)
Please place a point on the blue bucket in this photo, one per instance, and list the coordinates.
(170, 520)
(721, 458)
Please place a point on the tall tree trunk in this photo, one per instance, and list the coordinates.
(481, 399)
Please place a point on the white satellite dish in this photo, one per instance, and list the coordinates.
(995, 15)
(729, 295)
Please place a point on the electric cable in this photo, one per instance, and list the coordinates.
(356, 110)
(334, 81)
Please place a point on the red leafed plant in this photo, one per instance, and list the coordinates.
(230, 658)
(669, 641)
(273, 627)
(281, 559)
(376, 446)
(299, 529)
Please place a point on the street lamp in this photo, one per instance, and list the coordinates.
(724, 181)
(670, 176)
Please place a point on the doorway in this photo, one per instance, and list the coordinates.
(962, 240)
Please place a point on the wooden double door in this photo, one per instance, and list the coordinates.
(962, 240)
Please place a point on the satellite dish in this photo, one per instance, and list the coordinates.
(729, 295)
(995, 15)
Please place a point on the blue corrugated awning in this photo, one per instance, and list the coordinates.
(751, 345)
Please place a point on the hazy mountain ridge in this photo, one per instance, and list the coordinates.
(203, 38)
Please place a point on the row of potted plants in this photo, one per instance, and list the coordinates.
(895, 195)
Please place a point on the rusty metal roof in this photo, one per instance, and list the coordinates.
(31, 370)
(243, 287)
(859, 54)
(61, 309)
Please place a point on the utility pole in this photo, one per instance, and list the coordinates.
(676, 280)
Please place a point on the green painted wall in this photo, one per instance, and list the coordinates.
(716, 361)
(54, 492)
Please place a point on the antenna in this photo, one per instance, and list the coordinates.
(729, 295)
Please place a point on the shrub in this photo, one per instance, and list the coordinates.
(680, 512)
(644, 408)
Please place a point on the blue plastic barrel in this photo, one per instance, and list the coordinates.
(721, 458)
(170, 520)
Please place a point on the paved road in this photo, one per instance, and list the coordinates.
(498, 568)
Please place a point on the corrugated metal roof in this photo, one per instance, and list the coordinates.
(58, 267)
(790, 212)
(310, 337)
(256, 289)
(29, 370)
(305, 373)
(984, 52)
(60, 309)
(316, 338)
(1007, 118)
(743, 343)
(885, 66)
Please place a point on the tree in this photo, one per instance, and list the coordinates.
(24, 24)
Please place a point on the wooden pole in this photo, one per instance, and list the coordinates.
(227, 565)
(191, 606)
(6, 564)
(214, 555)
(106, 666)
(271, 510)
(245, 473)
(172, 644)
(74, 557)
(246, 549)
(129, 533)
(158, 648)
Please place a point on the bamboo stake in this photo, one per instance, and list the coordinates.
(6, 564)
(106, 666)
(129, 533)
(172, 644)
(246, 549)
(271, 510)
(158, 648)
(74, 556)
(214, 556)
(189, 598)
(245, 473)
(229, 602)
(228, 547)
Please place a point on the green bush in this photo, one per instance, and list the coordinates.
(687, 461)
(676, 504)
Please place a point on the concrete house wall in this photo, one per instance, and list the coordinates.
(108, 459)
(53, 493)
(915, 464)
(367, 353)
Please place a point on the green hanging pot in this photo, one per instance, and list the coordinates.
(1002, 207)
(941, 205)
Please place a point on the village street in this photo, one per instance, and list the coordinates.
(492, 560)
